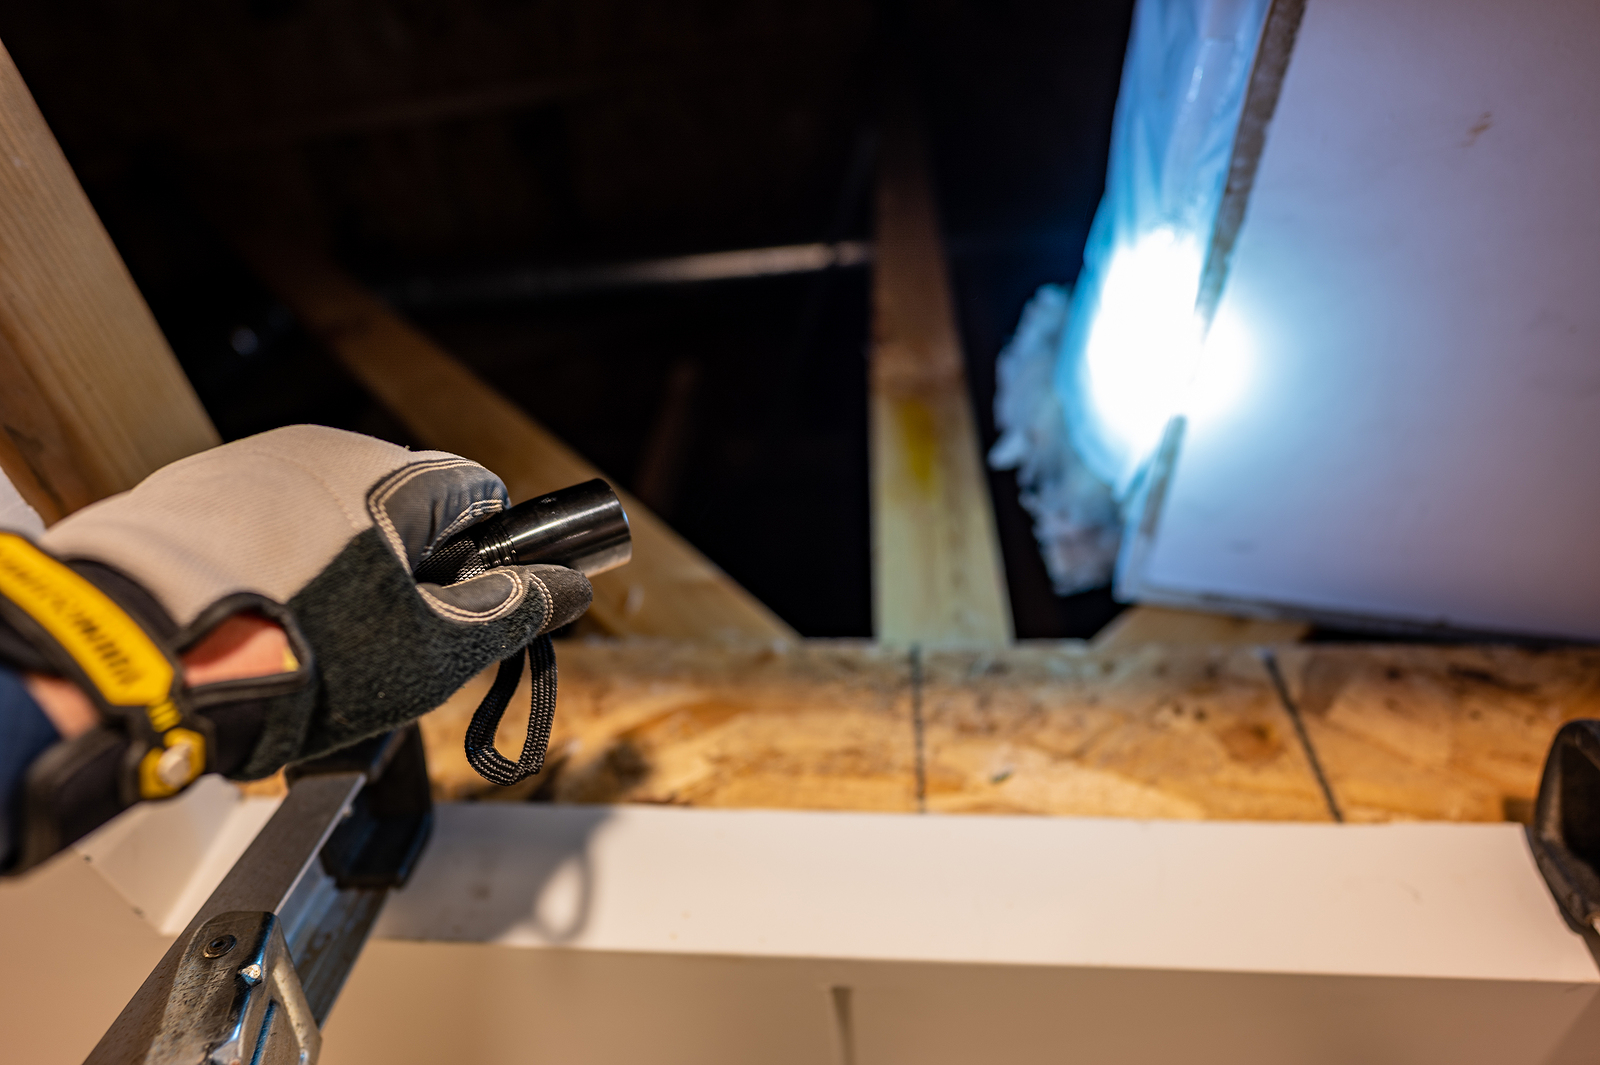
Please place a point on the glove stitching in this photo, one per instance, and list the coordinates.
(468, 517)
(377, 500)
(549, 600)
(455, 613)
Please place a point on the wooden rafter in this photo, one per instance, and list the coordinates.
(668, 590)
(91, 397)
(938, 579)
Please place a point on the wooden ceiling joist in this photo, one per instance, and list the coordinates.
(938, 580)
(1141, 625)
(669, 589)
(91, 397)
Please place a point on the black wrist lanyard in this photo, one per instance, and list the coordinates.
(491, 765)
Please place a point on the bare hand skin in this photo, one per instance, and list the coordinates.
(245, 645)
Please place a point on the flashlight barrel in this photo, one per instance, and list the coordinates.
(582, 527)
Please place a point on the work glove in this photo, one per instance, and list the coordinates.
(317, 529)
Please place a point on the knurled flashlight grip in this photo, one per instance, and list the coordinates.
(582, 527)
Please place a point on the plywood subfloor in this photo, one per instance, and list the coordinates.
(1155, 731)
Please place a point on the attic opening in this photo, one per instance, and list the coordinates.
(448, 156)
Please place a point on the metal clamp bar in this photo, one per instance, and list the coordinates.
(301, 902)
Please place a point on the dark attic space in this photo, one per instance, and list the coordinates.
(485, 165)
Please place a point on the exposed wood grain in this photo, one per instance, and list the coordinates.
(1141, 625)
(1059, 729)
(1048, 729)
(937, 575)
(91, 398)
(1169, 732)
(814, 725)
(43, 474)
(1437, 733)
(668, 590)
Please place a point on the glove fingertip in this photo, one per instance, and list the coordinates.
(570, 594)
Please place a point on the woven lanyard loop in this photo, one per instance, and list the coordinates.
(491, 765)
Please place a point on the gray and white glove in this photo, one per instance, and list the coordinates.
(317, 529)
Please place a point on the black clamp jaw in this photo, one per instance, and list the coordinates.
(1565, 834)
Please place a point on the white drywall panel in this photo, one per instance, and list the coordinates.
(165, 858)
(620, 934)
(431, 1002)
(1414, 900)
(72, 951)
(1419, 436)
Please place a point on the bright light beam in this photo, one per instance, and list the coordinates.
(1145, 355)
(1223, 370)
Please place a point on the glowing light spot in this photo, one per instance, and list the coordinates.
(1144, 344)
(1145, 355)
(1223, 371)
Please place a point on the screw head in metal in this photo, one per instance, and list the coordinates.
(219, 946)
(251, 974)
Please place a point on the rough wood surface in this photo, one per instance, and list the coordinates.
(1142, 625)
(1402, 732)
(937, 575)
(91, 398)
(1437, 733)
(815, 725)
(668, 590)
(1156, 731)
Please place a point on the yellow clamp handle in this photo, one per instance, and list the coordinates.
(115, 654)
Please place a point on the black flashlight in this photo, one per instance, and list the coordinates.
(582, 527)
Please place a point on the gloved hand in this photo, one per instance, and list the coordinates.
(318, 530)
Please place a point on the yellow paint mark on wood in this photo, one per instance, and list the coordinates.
(919, 440)
(937, 576)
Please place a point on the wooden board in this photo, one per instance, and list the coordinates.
(1141, 625)
(1437, 733)
(1168, 732)
(668, 590)
(822, 725)
(1459, 734)
(1045, 728)
(91, 397)
(937, 575)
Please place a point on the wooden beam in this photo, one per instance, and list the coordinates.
(1162, 732)
(1038, 729)
(1140, 625)
(91, 397)
(821, 724)
(1403, 733)
(1412, 732)
(938, 579)
(668, 590)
